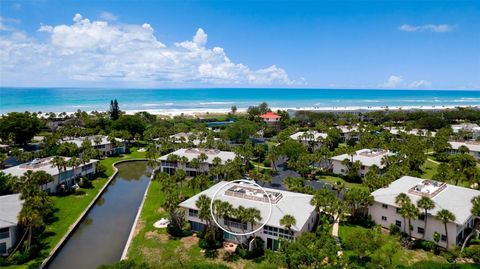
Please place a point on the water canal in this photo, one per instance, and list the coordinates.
(101, 236)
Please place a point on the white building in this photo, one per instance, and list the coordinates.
(473, 147)
(194, 153)
(367, 157)
(349, 132)
(64, 178)
(467, 127)
(309, 138)
(250, 196)
(100, 143)
(456, 199)
(198, 138)
(417, 132)
(10, 207)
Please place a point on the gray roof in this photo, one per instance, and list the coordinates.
(419, 132)
(316, 135)
(453, 198)
(195, 152)
(38, 165)
(10, 206)
(79, 140)
(367, 157)
(292, 203)
(471, 145)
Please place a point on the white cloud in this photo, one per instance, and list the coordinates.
(420, 84)
(437, 28)
(108, 16)
(102, 52)
(6, 24)
(392, 82)
(397, 82)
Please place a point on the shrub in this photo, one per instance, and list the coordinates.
(394, 230)
(472, 252)
(423, 244)
(256, 252)
(86, 183)
(101, 170)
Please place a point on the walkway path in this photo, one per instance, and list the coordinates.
(335, 227)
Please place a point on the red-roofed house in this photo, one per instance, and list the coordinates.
(270, 117)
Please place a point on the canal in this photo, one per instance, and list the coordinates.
(101, 236)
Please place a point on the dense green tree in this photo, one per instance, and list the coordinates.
(241, 130)
(114, 110)
(19, 128)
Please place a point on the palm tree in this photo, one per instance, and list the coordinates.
(30, 218)
(475, 212)
(401, 200)
(320, 200)
(426, 204)
(339, 186)
(445, 217)
(288, 221)
(409, 211)
(203, 205)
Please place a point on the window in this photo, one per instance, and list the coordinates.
(4, 233)
(196, 226)
(3, 248)
(420, 230)
(443, 238)
(398, 210)
(363, 167)
(384, 206)
(343, 170)
(384, 218)
(421, 217)
(398, 223)
(192, 212)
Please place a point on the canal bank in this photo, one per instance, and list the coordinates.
(112, 211)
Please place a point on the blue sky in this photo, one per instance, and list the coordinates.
(324, 44)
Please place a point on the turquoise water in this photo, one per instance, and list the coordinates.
(72, 99)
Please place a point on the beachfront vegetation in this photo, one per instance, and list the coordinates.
(267, 155)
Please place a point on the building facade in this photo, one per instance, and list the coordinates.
(385, 211)
(10, 207)
(102, 144)
(473, 147)
(250, 196)
(367, 158)
(169, 166)
(63, 178)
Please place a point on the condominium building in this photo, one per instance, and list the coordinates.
(309, 138)
(251, 196)
(100, 143)
(62, 178)
(472, 146)
(10, 207)
(169, 166)
(457, 200)
(367, 158)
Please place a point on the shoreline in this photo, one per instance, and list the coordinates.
(325, 109)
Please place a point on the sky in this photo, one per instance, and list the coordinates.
(309, 44)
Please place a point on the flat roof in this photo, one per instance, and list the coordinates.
(291, 203)
(79, 140)
(39, 165)
(10, 207)
(195, 152)
(453, 198)
(471, 145)
(316, 135)
(367, 157)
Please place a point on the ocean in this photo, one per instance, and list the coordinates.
(211, 99)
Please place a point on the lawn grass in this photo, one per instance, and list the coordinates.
(429, 169)
(404, 256)
(333, 180)
(69, 208)
(156, 248)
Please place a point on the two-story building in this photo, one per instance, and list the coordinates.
(473, 147)
(10, 207)
(457, 200)
(101, 143)
(367, 158)
(348, 133)
(169, 166)
(273, 204)
(311, 139)
(65, 177)
(472, 128)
